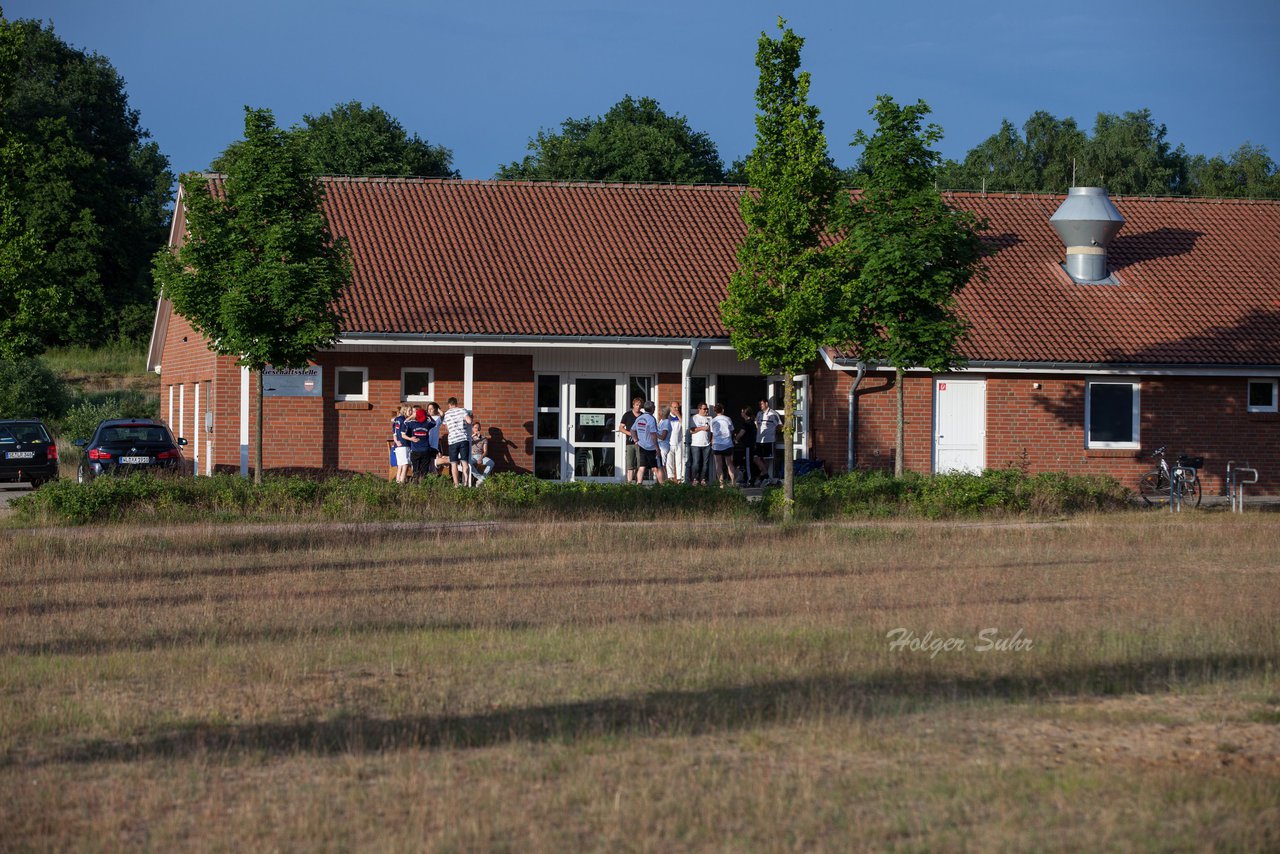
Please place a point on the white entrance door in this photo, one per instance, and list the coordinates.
(959, 425)
(597, 447)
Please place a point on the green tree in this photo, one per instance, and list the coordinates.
(906, 252)
(259, 273)
(352, 139)
(1040, 159)
(1130, 155)
(83, 196)
(784, 296)
(635, 142)
(1249, 172)
(29, 389)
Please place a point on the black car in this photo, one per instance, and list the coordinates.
(27, 452)
(122, 445)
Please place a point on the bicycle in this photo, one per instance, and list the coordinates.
(1157, 486)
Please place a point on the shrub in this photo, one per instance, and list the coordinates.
(28, 389)
(513, 496)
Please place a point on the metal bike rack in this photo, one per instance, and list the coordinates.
(1179, 476)
(1237, 477)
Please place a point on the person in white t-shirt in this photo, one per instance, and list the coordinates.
(700, 446)
(671, 442)
(457, 423)
(645, 429)
(722, 446)
(767, 422)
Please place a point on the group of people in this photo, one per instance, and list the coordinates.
(415, 444)
(655, 443)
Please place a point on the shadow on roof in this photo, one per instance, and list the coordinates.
(1129, 249)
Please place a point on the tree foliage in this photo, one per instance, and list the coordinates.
(83, 197)
(1129, 154)
(29, 389)
(634, 142)
(908, 253)
(784, 296)
(352, 139)
(259, 273)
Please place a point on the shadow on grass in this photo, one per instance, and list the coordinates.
(216, 635)
(36, 609)
(659, 714)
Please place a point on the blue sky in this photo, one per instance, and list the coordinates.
(482, 76)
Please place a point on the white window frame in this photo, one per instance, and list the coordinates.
(558, 441)
(431, 385)
(1136, 414)
(364, 383)
(1275, 395)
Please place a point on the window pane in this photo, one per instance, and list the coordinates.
(1262, 395)
(1110, 412)
(416, 384)
(597, 393)
(593, 427)
(546, 463)
(548, 391)
(639, 387)
(697, 392)
(548, 425)
(593, 462)
(351, 382)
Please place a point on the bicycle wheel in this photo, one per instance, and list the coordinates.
(1154, 488)
(1191, 492)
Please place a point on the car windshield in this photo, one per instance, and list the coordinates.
(12, 433)
(135, 433)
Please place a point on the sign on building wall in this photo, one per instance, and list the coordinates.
(293, 382)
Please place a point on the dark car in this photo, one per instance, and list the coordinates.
(122, 445)
(27, 452)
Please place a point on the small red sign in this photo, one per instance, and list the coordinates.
(942, 386)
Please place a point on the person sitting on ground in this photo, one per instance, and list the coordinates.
(481, 464)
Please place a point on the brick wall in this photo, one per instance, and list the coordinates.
(1042, 427)
(322, 433)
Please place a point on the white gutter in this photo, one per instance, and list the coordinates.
(399, 341)
(1092, 368)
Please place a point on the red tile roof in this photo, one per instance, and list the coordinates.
(1198, 280)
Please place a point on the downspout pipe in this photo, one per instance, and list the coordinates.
(852, 459)
(695, 344)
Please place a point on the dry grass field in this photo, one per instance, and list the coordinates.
(1101, 683)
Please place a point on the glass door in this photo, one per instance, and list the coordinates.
(597, 447)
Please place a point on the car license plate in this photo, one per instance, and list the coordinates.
(135, 461)
(19, 455)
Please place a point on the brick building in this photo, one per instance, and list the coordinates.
(546, 307)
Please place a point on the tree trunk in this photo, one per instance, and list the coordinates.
(899, 467)
(257, 446)
(788, 444)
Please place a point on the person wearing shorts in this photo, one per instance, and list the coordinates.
(645, 430)
(626, 422)
(457, 423)
(722, 445)
(767, 423)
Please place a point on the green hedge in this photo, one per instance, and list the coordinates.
(507, 496)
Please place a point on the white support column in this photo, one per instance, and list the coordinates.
(468, 377)
(194, 441)
(182, 409)
(244, 422)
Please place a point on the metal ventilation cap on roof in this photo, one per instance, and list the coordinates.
(1086, 221)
